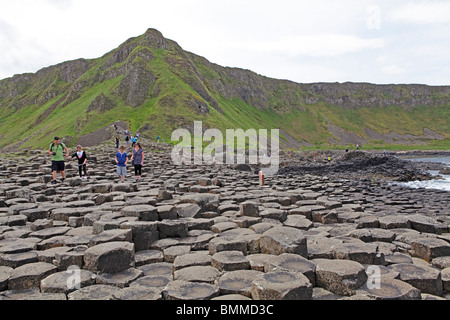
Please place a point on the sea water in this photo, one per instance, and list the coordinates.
(431, 184)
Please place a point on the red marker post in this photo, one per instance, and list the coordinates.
(261, 178)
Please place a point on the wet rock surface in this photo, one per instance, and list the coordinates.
(213, 232)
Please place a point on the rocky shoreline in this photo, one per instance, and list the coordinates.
(317, 230)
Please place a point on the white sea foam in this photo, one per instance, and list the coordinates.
(442, 184)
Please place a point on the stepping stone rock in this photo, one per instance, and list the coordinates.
(138, 293)
(143, 212)
(121, 279)
(341, 277)
(5, 274)
(445, 275)
(397, 258)
(157, 269)
(171, 253)
(281, 240)
(232, 297)
(30, 275)
(112, 236)
(17, 247)
(173, 228)
(249, 209)
(426, 224)
(282, 285)
(276, 214)
(372, 235)
(429, 248)
(187, 210)
(167, 213)
(65, 260)
(66, 282)
(257, 261)
(394, 222)
(95, 293)
(230, 261)
(390, 289)
(112, 257)
(188, 291)
(262, 227)
(426, 279)
(292, 263)
(144, 234)
(156, 282)
(205, 274)
(36, 214)
(227, 243)
(298, 222)
(368, 222)
(147, 257)
(224, 226)
(321, 294)
(238, 282)
(49, 233)
(441, 262)
(364, 253)
(191, 260)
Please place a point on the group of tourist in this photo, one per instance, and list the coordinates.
(129, 139)
(60, 152)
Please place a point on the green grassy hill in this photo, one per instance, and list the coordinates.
(154, 86)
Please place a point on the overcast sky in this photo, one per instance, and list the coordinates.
(402, 41)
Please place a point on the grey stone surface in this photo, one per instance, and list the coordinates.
(282, 285)
(342, 277)
(281, 240)
(112, 257)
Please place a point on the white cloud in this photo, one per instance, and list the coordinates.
(425, 12)
(299, 40)
(316, 45)
(392, 70)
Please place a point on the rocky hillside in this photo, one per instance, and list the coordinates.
(152, 85)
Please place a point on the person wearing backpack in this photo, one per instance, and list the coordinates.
(57, 149)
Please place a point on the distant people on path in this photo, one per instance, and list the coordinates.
(117, 142)
(357, 147)
(138, 160)
(122, 161)
(81, 156)
(346, 150)
(127, 139)
(134, 141)
(57, 149)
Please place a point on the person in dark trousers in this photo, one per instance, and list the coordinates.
(57, 149)
(138, 160)
(117, 142)
(81, 156)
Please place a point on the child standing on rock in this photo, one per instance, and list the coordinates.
(122, 160)
(138, 160)
(82, 159)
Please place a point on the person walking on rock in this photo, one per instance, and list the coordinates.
(82, 159)
(138, 160)
(57, 149)
(122, 161)
(117, 142)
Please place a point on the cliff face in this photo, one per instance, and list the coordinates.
(150, 82)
